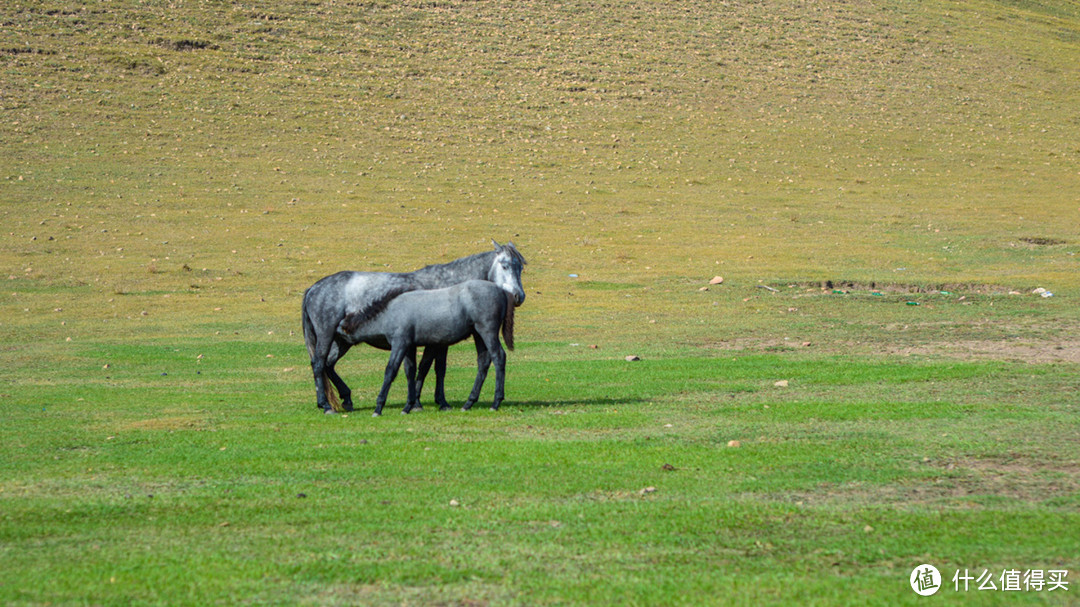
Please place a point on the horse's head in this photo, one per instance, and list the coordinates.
(506, 270)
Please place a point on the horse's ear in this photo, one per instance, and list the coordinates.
(497, 245)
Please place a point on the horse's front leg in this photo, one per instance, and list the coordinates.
(397, 354)
(483, 361)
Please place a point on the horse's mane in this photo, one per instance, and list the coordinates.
(355, 320)
(517, 254)
(469, 260)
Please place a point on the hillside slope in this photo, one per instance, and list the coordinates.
(261, 146)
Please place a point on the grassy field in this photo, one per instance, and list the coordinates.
(874, 386)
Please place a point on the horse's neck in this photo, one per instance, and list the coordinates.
(455, 272)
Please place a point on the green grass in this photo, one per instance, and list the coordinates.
(218, 481)
(173, 176)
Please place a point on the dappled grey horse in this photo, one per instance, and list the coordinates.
(363, 295)
(439, 318)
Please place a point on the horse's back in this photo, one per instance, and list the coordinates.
(351, 292)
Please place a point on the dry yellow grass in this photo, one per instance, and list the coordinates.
(206, 163)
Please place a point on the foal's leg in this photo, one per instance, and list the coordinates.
(410, 376)
(499, 356)
(397, 354)
(440, 378)
(483, 361)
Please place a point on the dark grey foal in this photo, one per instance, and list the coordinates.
(437, 319)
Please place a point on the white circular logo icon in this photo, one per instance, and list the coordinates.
(925, 580)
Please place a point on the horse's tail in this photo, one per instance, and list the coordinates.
(508, 322)
(331, 394)
(309, 327)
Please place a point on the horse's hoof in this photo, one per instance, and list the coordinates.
(376, 415)
(329, 412)
(445, 408)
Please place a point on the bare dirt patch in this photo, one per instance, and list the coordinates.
(1051, 351)
(185, 422)
(1023, 479)
(1063, 350)
(961, 479)
(1042, 241)
(902, 287)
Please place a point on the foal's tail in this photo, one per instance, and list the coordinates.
(508, 322)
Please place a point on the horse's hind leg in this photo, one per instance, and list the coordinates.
(483, 361)
(436, 355)
(440, 378)
(430, 356)
(337, 350)
(319, 370)
(422, 370)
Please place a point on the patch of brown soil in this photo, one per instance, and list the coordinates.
(961, 479)
(1023, 479)
(901, 287)
(186, 422)
(1061, 350)
(1051, 351)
